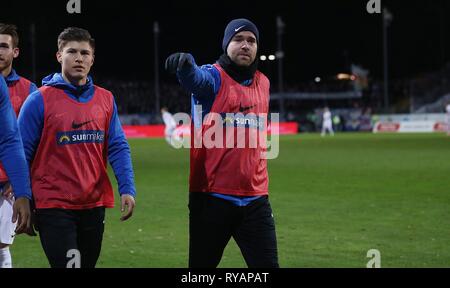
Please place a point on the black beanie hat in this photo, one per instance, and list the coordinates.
(236, 26)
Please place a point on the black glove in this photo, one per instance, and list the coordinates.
(178, 61)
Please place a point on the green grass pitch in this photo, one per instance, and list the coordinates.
(333, 200)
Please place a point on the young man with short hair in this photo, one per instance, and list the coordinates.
(70, 129)
(13, 159)
(18, 89)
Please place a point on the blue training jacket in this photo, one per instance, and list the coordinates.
(11, 150)
(14, 77)
(204, 84)
(31, 122)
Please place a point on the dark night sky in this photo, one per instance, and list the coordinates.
(320, 38)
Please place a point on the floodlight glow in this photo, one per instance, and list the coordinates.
(343, 76)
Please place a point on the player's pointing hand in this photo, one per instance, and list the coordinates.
(178, 61)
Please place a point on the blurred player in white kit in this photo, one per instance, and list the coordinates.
(170, 131)
(327, 124)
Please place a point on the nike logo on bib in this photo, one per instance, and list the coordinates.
(245, 108)
(79, 125)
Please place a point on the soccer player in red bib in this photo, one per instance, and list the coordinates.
(228, 186)
(70, 130)
(18, 89)
(13, 159)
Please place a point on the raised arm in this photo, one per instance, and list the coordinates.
(202, 81)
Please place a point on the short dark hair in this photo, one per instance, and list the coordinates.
(75, 34)
(10, 29)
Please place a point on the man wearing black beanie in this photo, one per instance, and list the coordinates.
(228, 186)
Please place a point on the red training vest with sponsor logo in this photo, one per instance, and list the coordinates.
(232, 171)
(18, 92)
(69, 170)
